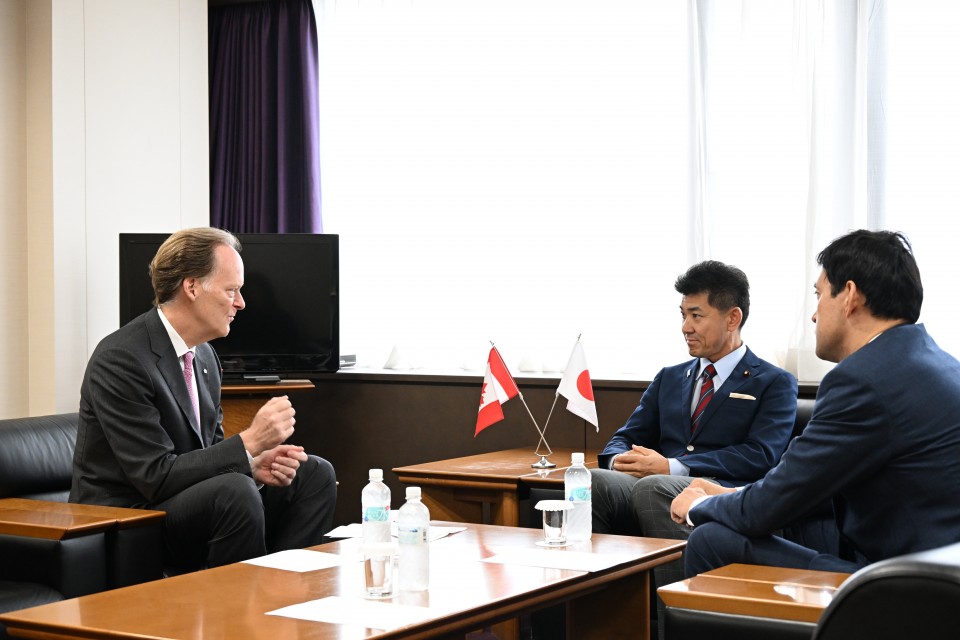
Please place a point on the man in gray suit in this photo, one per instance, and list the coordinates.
(151, 435)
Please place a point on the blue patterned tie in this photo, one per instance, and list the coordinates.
(706, 392)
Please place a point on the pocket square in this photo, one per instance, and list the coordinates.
(742, 396)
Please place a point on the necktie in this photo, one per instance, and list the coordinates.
(188, 378)
(706, 392)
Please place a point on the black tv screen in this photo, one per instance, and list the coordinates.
(290, 327)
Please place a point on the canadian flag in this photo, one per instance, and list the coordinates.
(498, 387)
(576, 387)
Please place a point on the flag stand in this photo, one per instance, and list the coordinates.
(543, 463)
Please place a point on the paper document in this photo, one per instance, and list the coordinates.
(299, 560)
(557, 559)
(358, 612)
(355, 530)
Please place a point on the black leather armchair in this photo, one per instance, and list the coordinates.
(50, 550)
(911, 596)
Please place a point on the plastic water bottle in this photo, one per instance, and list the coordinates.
(413, 526)
(576, 488)
(375, 501)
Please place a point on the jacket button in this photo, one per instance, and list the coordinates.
(689, 447)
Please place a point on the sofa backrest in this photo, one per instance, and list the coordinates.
(804, 411)
(36, 456)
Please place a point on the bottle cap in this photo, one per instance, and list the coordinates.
(413, 492)
(576, 458)
(376, 475)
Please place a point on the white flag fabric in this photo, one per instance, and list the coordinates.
(576, 387)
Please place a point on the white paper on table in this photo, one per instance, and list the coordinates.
(355, 530)
(299, 560)
(357, 611)
(557, 559)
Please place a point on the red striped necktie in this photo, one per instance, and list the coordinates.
(706, 392)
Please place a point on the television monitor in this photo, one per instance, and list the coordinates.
(290, 327)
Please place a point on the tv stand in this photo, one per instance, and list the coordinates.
(241, 400)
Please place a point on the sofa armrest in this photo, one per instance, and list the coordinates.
(131, 539)
(74, 566)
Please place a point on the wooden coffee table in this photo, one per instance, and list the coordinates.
(465, 594)
(458, 488)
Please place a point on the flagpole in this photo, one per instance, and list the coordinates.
(543, 463)
(543, 437)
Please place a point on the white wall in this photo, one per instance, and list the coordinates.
(103, 129)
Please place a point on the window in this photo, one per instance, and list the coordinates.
(525, 171)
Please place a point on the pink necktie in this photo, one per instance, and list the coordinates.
(706, 392)
(188, 378)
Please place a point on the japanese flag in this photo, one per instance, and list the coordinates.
(498, 387)
(576, 387)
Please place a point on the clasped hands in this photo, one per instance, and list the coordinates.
(641, 462)
(274, 463)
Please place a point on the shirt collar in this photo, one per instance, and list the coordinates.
(179, 346)
(724, 365)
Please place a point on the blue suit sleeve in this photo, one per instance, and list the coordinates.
(642, 427)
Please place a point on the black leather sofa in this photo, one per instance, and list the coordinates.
(36, 462)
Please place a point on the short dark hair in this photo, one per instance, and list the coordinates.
(188, 253)
(882, 265)
(725, 285)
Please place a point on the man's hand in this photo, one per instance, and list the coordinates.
(277, 467)
(680, 506)
(641, 462)
(272, 425)
(710, 488)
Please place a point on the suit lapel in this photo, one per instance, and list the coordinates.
(687, 386)
(207, 406)
(170, 369)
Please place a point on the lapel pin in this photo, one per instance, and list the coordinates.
(204, 372)
(746, 373)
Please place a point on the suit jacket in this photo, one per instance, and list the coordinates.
(138, 440)
(883, 442)
(738, 439)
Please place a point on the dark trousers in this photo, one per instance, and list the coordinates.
(225, 519)
(712, 545)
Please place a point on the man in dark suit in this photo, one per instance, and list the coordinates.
(883, 441)
(150, 432)
(730, 426)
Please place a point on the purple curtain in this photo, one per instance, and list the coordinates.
(264, 129)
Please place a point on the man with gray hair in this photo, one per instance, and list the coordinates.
(150, 432)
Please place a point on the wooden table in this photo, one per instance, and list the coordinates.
(465, 594)
(63, 520)
(764, 592)
(457, 489)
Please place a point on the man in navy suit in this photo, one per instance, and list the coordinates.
(737, 435)
(883, 441)
(150, 432)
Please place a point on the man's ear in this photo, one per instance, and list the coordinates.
(191, 288)
(734, 318)
(854, 298)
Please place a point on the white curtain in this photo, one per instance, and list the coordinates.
(788, 149)
(525, 171)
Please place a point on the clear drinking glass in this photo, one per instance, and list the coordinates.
(554, 522)
(378, 563)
